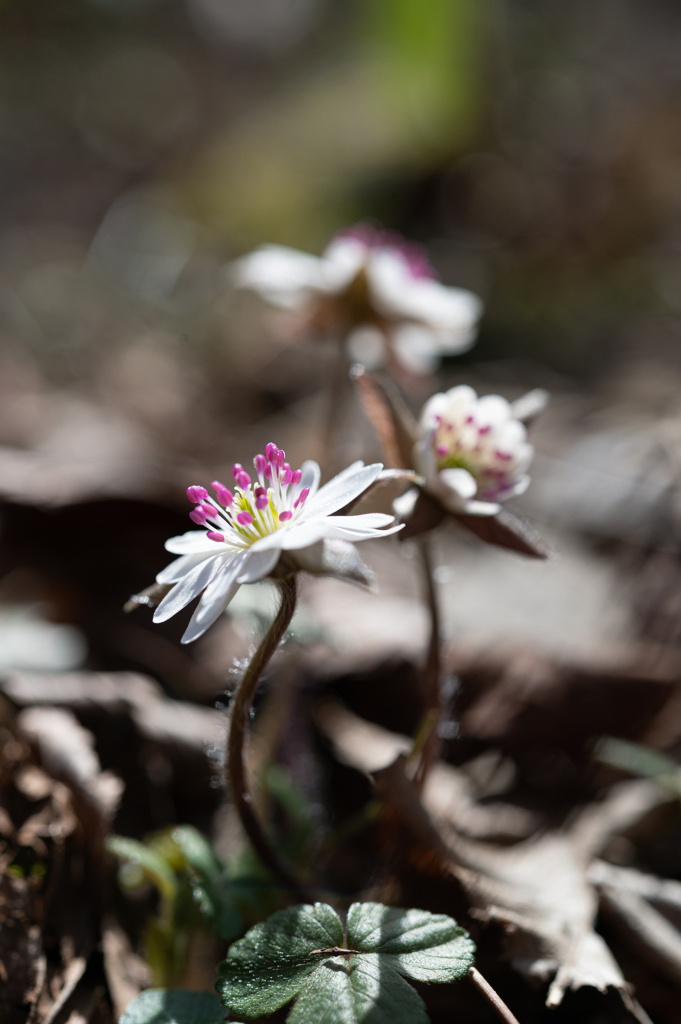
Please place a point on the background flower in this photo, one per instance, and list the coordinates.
(373, 286)
(473, 452)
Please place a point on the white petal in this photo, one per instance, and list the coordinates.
(366, 345)
(416, 347)
(303, 535)
(311, 475)
(205, 615)
(480, 508)
(342, 489)
(259, 565)
(188, 587)
(342, 260)
(361, 533)
(495, 411)
(374, 520)
(216, 597)
(191, 543)
(397, 293)
(180, 567)
(460, 481)
(283, 276)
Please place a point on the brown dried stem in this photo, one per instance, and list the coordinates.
(492, 997)
(243, 700)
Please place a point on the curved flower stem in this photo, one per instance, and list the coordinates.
(241, 707)
(426, 740)
(492, 997)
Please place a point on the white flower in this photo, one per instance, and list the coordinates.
(284, 514)
(374, 281)
(472, 451)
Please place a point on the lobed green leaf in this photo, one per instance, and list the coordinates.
(174, 1006)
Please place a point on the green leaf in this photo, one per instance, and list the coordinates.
(294, 954)
(210, 887)
(151, 863)
(174, 1006)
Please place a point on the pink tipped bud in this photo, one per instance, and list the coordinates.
(259, 462)
(217, 537)
(284, 516)
(196, 493)
(198, 516)
(225, 496)
(269, 448)
(236, 469)
(281, 456)
(244, 518)
(243, 480)
(297, 477)
(261, 502)
(286, 476)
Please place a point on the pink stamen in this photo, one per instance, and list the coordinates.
(225, 496)
(262, 501)
(285, 516)
(198, 516)
(274, 452)
(469, 419)
(244, 518)
(281, 456)
(196, 493)
(236, 469)
(268, 472)
(297, 477)
(269, 448)
(259, 462)
(504, 456)
(243, 479)
(303, 497)
(286, 477)
(442, 449)
(484, 430)
(217, 537)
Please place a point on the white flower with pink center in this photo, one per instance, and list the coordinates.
(248, 528)
(374, 285)
(472, 451)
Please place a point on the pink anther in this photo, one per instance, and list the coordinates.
(269, 448)
(244, 518)
(484, 430)
(260, 462)
(284, 516)
(442, 449)
(262, 501)
(225, 496)
(243, 479)
(198, 516)
(286, 476)
(281, 456)
(196, 493)
(236, 469)
(297, 477)
(217, 537)
(504, 456)
(302, 497)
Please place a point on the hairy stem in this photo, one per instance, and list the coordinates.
(492, 997)
(426, 740)
(241, 707)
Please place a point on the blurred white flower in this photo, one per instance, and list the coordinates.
(368, 278)
(284, 515)
(472, 451)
